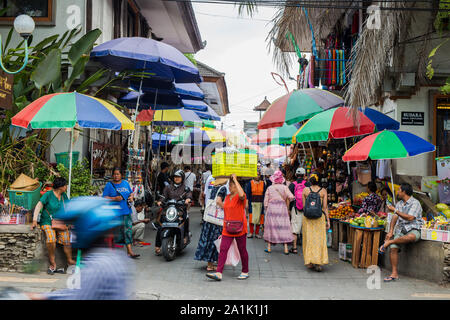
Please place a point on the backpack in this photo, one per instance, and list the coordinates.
(298, 193)
(313, 206)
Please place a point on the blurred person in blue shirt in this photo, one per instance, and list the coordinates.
(105, 273)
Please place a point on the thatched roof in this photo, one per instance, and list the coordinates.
(370, 54)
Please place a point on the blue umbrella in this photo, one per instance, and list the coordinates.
(137, 53)
(164, 100)
(189, 91)
(161, 140)
(210, 114)
(382, 121)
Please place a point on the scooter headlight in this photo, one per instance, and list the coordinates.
(171, 214)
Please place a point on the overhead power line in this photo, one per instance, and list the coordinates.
(317, 4)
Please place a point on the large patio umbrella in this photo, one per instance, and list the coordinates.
(297, 106)
(337, 123)
(273, 152)
(137, 53)
(66, 110)
(175, 117)
(278, 135)
(388, 144)
(205, 135)
(209, 114)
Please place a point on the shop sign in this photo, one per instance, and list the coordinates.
(6, 84)
(413, 118)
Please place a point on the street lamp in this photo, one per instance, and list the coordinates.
(24, 25)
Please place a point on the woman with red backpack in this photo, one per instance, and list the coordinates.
(296, 206)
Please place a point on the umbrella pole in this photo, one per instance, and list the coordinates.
(70, 162)
(392, 183)
(137, 109)
(348, 163)
(312, 154)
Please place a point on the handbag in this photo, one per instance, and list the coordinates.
(234, 227)
(213, 213)
(129, 203)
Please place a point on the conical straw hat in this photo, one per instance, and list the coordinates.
(25, 182)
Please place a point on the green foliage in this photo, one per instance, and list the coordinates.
(20, 156)
(430, 70)
(81, 178)
(442, 15)
(191, 58)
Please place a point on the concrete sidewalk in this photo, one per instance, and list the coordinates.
(272, 276)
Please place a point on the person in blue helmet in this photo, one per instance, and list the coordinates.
(104, 273)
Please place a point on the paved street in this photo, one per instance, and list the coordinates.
(274, 276)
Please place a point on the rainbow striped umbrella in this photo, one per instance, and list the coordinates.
(297, 106)
(388, 144)
(172, 117)
(337, 123)
(65, 110)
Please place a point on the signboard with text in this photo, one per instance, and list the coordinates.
(413, 118)
(6, 85)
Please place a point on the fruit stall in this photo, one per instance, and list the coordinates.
(437, 228)
(356, 237)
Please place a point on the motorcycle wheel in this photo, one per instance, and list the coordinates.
(167, 251)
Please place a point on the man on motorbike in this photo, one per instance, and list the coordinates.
(175, 191)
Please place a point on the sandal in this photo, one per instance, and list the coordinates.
(286, 253)
(60, 270)
(391, 279)
(213, 276)
(214, 268)
(243, 276)
(293, 250)
(158, 253)
(310, 266)
(50, 271)
(267, 250)
(318, 268)
(134, 256)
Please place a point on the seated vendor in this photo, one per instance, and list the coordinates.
(404, 227)
(370, 204)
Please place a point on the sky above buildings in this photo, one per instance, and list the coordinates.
(237, 46)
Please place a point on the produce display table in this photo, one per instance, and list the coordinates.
(335, 233)
(345, 232)
(365, 245)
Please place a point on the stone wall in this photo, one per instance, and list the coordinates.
(447, 262)
(19, 246)
(425, 260)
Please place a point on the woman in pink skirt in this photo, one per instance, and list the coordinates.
(277, 226)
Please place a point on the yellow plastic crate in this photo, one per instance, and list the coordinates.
(241, 164)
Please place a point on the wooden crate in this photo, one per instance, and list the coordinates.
(365, 245)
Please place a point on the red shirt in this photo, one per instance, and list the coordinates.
(234, 210)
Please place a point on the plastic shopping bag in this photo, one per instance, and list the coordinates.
(233, 256)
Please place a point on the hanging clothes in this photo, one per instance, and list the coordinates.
(329, 68)
(333, 70)
(383, 169)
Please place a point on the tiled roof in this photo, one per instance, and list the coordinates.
(262, 106)
(207, 71)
